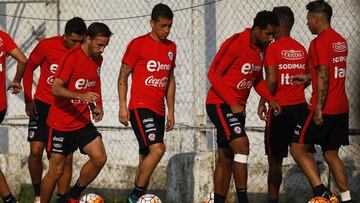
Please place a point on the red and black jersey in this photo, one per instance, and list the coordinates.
(47, 54)
(236, 68)
(7, 45)
(80, 73)
(289, 58)
(151, 61)
(330, 49)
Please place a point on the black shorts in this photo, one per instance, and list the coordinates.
(2, 115)
(330, 136)
(66, 142)
(148, 127)
(228, 125)
(279, 129)
(38, 129)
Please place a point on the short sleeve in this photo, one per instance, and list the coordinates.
(131, 55)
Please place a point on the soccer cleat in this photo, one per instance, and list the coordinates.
(132, 199)
(73, 200)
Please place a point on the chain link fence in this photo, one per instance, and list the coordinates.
(199, 28)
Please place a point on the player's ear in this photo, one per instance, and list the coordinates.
(152, 24)
(87, 39)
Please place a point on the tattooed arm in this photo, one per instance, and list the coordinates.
(322, 86)
(124, 115)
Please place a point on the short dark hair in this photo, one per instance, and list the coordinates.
(98, 29)
(265, 18)
(320, 6)
(75, 25)
(285, 16)
(161, 10)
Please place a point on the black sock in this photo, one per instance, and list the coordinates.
(37, 189)
(349, 201)
(9, 199)
(61, 198)
(242, 195)
(321, 191)
(219, 198)
(76, 190)
(138, 191)
(271, 200)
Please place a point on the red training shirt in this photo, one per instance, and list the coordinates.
(330, 49)
(236, 68)
(152, 62)
(289, 58)
(48, 53)
(7, 45)
(80, 73)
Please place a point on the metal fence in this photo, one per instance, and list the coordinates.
(199, 28)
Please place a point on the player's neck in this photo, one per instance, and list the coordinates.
(323, 28)
(155, 37)
(85, 49)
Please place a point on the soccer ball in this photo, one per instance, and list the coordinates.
(149, 198)
(334, 199)
(209, 198)
(319, 200)
(91, 198)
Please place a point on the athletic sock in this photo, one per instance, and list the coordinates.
(37, 189)
(242, 195)
(219, 198)
(271, 200)
(9, 199)
(321, 191)
(61, 198)
(76, 190)
(138, 191)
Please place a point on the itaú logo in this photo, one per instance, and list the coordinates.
(292, 54)
(244, 84)
(153, 66)
(156, 82)
(339, 46)
(84, 83)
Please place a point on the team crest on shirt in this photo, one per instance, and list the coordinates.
(170, 55)
(151, 136)
(237, 130)
(98, 71)
(339, 46)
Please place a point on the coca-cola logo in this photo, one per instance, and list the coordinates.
(339, 46)
(244, 84)
(292, 54)
(156, 82)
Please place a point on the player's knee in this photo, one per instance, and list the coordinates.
(225, 161)
(56, 172)
(99, 162)
(241, 158)
(158, 151)
(36, 153)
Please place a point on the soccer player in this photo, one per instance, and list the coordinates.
(237, 67)
(47, 54)
(284, 58)
(151, 61)
(327, 121)
(8, 47)
(77, 91)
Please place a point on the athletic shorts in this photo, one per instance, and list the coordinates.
(279, 129)
(66, 142)
(228, 125)
(330, 136)
(148, 127)
(2, 115)
(38, 129)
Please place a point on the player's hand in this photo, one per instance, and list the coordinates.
(238, 109)
(96, 112)
(124, 115)
(276, 107)
(300, 79)
(30, 109)
(262, 112)
(318, 117)
(89, 97)
(14, 87)
(170, 122)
